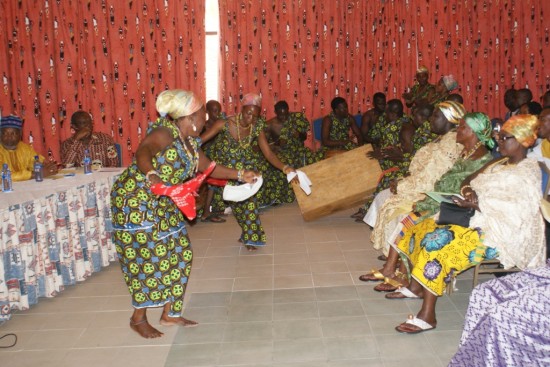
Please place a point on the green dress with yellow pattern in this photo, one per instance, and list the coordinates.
(149, 231)
(244, 154)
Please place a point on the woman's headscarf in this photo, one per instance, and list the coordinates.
(453, 111)
(523, 127)
(251, 99)
(177, 103)
(481, 125)
(450, 82)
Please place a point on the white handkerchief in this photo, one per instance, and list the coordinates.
(304, 181)
(242, 192)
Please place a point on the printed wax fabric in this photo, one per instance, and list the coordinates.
(150, 236)
(244, 154)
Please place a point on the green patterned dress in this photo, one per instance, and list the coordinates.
(149, 231)
(246, 154)
(293, 152)
(340, 130)
(389, 137)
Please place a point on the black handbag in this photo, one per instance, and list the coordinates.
(450, 213)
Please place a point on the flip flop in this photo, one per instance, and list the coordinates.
(416, 322)
(214, 218)
(402, 293)
(389, 285)
(373, 276)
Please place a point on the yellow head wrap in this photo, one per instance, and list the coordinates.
(524, 128)
(177, 103)
(453, 111)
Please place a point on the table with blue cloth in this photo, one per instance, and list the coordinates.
(53, 234)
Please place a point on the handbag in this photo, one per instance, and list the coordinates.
(450, 213)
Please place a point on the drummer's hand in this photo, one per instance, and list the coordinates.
(250, 176)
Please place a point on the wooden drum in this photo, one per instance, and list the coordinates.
(340, 182)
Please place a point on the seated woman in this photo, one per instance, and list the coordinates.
(507, 224)
(502, 309)
(442, 90)
(474, 134)
(335, 131)
(427, 166)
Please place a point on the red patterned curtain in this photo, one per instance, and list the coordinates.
(108, 57)
(309, 51)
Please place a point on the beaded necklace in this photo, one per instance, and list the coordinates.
(471, 152)
(192, 156)
(244, 143)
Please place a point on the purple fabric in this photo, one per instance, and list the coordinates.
(508, 322)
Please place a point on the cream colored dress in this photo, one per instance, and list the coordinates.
(427, 166)
(506, 216)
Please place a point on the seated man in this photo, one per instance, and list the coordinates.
(100, 146)
(336, 128)
(421, 90)
(286, 133)
(18, 155)
(369, 118)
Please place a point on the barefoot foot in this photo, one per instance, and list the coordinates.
(170, 321)
(250, 248)
(145, 329)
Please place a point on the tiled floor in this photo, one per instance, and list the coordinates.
(296, 302)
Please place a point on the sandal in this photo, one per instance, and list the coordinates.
(402, 293)
(373, 276)
(392, 284)
(214, 218)
(414, 325)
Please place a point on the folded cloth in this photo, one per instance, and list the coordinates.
(184, 194)
(242, 192)
(304, 181)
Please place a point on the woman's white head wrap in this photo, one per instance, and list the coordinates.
(177, 103)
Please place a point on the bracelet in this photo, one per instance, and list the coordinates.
(240, 174)
(151, 172)
(464, 189)
(285, 168)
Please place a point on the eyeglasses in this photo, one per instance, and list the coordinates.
(504, 138)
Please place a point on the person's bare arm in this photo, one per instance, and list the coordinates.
(213, 131)
(356, 131)
(225, 172)
(270, 156)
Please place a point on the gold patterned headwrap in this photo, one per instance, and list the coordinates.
(523, 127)
(453, 111)
(481, 126)
(422, 69)
(177, 103)
(251, 99)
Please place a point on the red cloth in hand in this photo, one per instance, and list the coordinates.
(184, 194)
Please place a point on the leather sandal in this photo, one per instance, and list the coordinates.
(373, 276)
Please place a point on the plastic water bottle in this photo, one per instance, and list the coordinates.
(38, 169)
(87, 162)
(6, 179)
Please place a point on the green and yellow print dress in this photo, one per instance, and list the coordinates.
(340, 130)
(294, 153)
(149, 231)
(227, 151)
